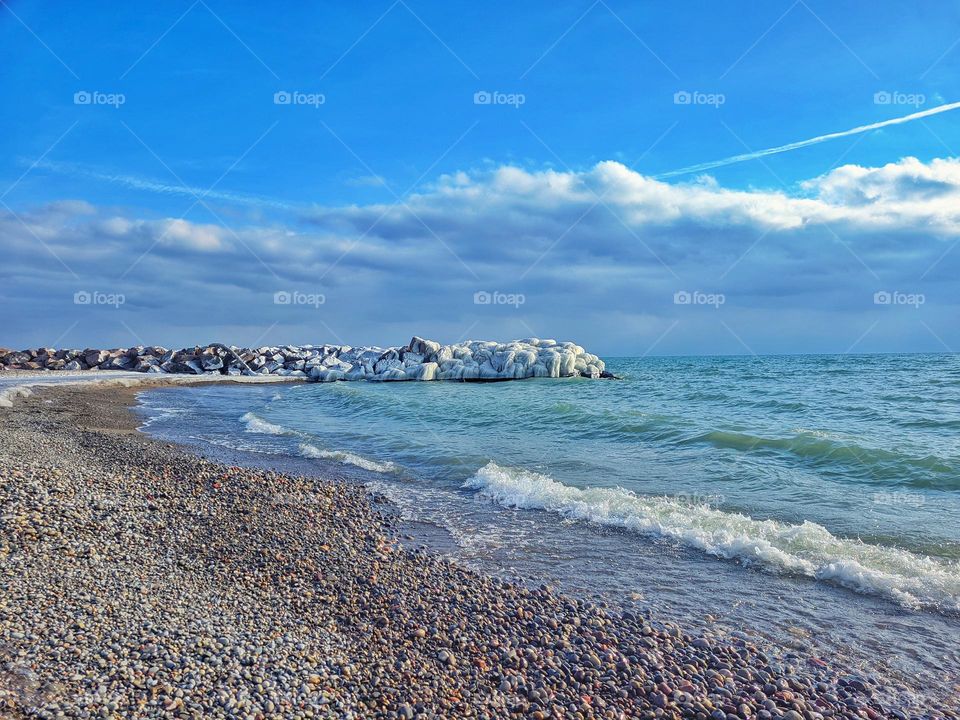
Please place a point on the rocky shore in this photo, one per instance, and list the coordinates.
(473, 360)
(137, 580)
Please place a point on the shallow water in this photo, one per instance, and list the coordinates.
(812, 499)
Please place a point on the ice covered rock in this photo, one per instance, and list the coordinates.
(423, 347)
(412, 358)
(393, 374)
(426, 371)
(420, 359)
(386, 365)
(211, 362)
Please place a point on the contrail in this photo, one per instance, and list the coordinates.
(812, 141)
(138, 183)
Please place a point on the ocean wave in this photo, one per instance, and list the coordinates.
(805, 549)
(348, 458)
(159, 413)
(820, 448)
(258, 425)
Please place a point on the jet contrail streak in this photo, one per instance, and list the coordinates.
(812, 141)
(137, 183)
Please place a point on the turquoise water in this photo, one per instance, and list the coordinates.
(792, 491)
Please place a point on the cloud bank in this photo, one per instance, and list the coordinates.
(606, 256)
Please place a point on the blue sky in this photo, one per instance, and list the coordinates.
(385, 188)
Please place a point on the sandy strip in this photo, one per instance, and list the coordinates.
(20, 384)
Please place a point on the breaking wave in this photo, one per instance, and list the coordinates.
(257, 424)
(805, 549)
(348, 458)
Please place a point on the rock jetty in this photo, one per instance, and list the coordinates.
(473, 360)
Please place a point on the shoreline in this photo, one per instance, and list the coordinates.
(162, 555)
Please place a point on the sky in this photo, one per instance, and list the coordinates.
(643, 178)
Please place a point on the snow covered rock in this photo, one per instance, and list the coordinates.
(420, 359)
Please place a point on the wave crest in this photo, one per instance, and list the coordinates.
(256, 424)
(806, 549)
(348, 458)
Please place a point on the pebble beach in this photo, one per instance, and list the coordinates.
(140, 580)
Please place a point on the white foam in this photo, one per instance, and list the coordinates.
(259, 425)
(348, 458)
(805, 549)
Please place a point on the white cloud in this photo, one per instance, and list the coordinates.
(584, 247)
(190, 235)
(908, 180)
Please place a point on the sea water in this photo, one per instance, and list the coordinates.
(812, 500)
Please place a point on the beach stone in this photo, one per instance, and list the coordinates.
(447, 657)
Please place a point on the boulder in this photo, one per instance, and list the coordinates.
(421, 359)
(145, 363)
(95, 357)
(452, 373)
(423, 347)
(211, 362)
(120, 362)
(426, 371)
(590, 371)
(386, 365)
(391, 375)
